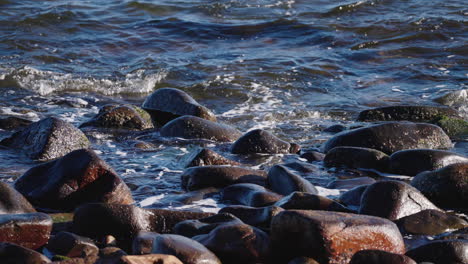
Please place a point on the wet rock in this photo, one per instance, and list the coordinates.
(356, 157)
(313, 156)
(185, 249)
(15, 254)
(219, 176)
(303, 260)
(78, 177)
(13, 202)
(125, 221)
(203, 157)
(301, 167)
(12, 122)
(335, 129)
(150, 259)
(261, 141)
(414, 161)
(28, 230)
(167, 104)
(249, 194)
(379, 257)
(430, 222)
(121, 116)
(458, 234)
(308, 201)
(71, 245)
(239, 243)
(47, 139)
(393, 200)
(192, 127)
(455, 128)
(392, 136)
(184, 198)
(255, 216)
(330, 237)
(191, 228)
(446, 187)
(353, 196)
(454, 98)
(283, 181)
(414, 113)
(350, 183)
(441, 252)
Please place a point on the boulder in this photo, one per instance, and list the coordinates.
(353, 196)
(192, 127)
(413, 161)
(219, 176)
(441, 252)
(283, 181)
(446, 187)
(414, 113)
(308, 201)
(356, 157)
(380, 257)
(72, 246)
(392, 136)
(204, 157)
(191, 228)
(78, 177)
(185, 249)
(430, 222)
(330, 237)
(47, 139)
(166, 104)
(261, 141)
(12, 122)
(350, 183)
(15, 254)
(249, 194)
(121, 116)
(239, 243)
(393, 200)
(27, 230)
(149, 259)
(254, 216)
(13, 202)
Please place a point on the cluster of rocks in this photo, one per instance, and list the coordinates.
(87, 213)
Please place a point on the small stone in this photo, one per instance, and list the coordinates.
(204, 157)
(12, 122)
(13, 254)
(261, 141)
(150, 259)
(430, 222)
(311, 156)
(254, 216)
(335, 129)
(358, 158)
(13, 202)
(121, 116)
(191, 228)
(249, 194)
(283, 181)
(353, 196)
(71, 245)
(27, 230)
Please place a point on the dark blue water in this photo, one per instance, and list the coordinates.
(292, 67)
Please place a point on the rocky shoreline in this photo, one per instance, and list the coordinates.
(74, 208)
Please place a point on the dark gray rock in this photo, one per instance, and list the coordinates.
(392, 136)
(13, 202)
(254, 216)
(191, 228)
(15, 254)
(393, 200)
(47, 139)
(301, 167)
(379, 257)
(311, 156)
(335, 129)
(441, 252)
(72, 246)
(249, 194)
(166, 104)
(204, 157)
(220, 176)
(261, 141)
(353, 196)
(28, 230)
(446, 187)
(356, 157)
(12, 122)
(121, 116)
(308, 201)
(430, 222)
(283, 181)
(413, 161)
(192, 127)
(78, 177)
(414, 113)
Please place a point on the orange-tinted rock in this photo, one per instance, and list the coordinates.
(28, 230)
(13, 202)
(15, 254)
(331, 237)
(77, 178)
(150, 259)
(261, 141)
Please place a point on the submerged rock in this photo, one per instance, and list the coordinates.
(204, 157)
(393, 200)
(446, 187)
(454, 98)
(47, 139)
(13, 202)
(192, 127)
(430, 222)
(13, 254)
(283, 181)
(413, 161)
(391, 137)
(330, 237)
(28, 230)
(121, 116)
(77, 178)
(166, 104)
(12, 122)
(356, 157)
(220, 176)
(261, 141)
(249, 194)
(441, 252)
(414, 113)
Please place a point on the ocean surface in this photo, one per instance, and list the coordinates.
(293, 67)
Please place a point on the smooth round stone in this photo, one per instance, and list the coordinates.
(13, 202)
(430, 222)
(414, 113)
(283, 181)
(262, 141)
(356, 157)
(441, 252)
(122, 117)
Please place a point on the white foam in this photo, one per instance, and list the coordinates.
(151, 200)
(330, 193)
